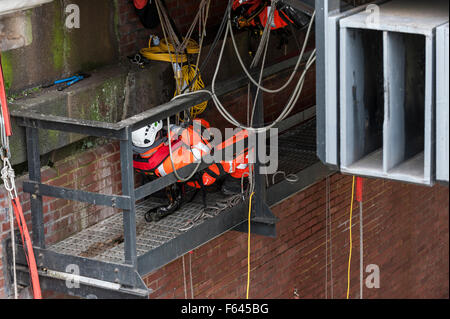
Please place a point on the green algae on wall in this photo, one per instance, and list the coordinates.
(7, 70)
(59, 43)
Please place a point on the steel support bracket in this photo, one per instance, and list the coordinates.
(262, 223)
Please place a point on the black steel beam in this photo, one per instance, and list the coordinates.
(191, 239)
(263, 223)
(116, 201)
(28, 118)
(104, 271)
(129, 214)
(34, 169)
(261, 229)
(321, 16)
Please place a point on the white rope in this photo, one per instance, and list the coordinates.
(184, 279)
(286, 111)
(241, 62)
(182, 179)
(13, 244)
(190, 274)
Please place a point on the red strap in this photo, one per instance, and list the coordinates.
(140, 4)
(28, 247)
(359, 189)
(4, 101)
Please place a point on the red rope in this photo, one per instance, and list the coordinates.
(18, 211)
(359, 189)
(28, 247)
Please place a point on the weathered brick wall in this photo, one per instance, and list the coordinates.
(405, 234)
(133, 36)
(95, 170)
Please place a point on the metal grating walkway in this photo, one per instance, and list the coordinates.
(297, 149)
(104, 241)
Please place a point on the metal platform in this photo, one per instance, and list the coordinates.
(104, 241)
(112, 256)
(297, 149)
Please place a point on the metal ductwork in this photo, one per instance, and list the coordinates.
(379, 85)
(442, 107)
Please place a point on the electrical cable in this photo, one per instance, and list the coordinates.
(351, 243)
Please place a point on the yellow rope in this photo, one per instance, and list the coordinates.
(163, 51)
(188, 74)
(248, 247)
(350, 227)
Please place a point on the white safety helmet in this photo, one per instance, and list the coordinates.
(145, 136)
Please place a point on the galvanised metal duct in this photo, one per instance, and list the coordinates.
(442, 107)
(379, 104)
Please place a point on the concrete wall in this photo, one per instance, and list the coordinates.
(56, 51)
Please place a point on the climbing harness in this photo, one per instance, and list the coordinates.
(8, 177)
(255, 14)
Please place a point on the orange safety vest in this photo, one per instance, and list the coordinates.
(188, 147)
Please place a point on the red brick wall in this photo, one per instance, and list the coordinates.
(405, 234)
(95, 170)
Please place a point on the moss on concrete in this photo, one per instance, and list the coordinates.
(58, 38)
(7, 67)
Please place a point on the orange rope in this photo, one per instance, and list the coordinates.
(28, 247)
